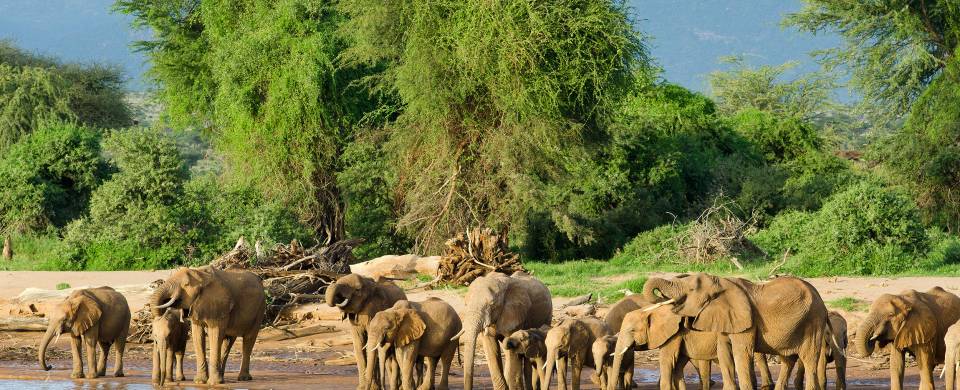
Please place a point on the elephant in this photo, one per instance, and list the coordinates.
(94, 317)
(658, 327)
(222, 305)
(416, 331)
(785, 316)
(836, 353)
(496, 306)
(359, 298)
(951, 357)
(169, 344)
(526, 348)
(569, 345)
(629, 303)
(911, 321)
(603, 356)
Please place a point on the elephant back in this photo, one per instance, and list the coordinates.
(442, 323)
(947, 304)
(540, 312)
(788, 309)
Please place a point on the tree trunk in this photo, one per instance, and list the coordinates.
(7, 249)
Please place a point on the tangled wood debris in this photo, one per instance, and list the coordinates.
(473, 254)
(291, 275)
(718, 233)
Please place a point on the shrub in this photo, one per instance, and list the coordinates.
(48, 177)
(777, 138)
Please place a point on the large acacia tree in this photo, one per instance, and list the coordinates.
(497, 98)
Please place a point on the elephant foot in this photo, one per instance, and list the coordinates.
(118, 374)
(92, 375)
(242, 377)
(76, 375)
(181, 378)
(215, 381)
(200, 380)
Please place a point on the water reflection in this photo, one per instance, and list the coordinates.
(69, 385)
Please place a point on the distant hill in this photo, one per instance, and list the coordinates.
(688, 35)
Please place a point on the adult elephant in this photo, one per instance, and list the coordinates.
(222, 305)
(360, 298)
(497, 306)
(914, 322)
(94, 317)
(629, 303)
(785, 316)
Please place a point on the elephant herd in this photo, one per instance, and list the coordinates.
(691, 318)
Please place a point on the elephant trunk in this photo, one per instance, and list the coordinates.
(160, 296)
(623, 347)
(367, 380)
(52, 331)
(950, 365)
(161, 347)
(548, 367)
(864, 334)
(473, 325)
(330, 294)
(666, 288)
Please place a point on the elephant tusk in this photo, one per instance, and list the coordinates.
(176, 295)
(622, 351)
(457, 336)
(875, 337)
(344, 303)
(656, 305)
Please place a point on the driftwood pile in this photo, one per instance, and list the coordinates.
(141, 327)
(718, 233)
(291, 275)
(473, 254)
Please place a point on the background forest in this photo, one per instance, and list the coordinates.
(406, 123)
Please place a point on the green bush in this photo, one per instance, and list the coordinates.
(867, 229)
(777, 138)
(48, 177)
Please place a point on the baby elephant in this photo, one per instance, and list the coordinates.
(952, 360)
(603, 353)
(525, 354)
(169, 344)
(415, 330)
(568, 344)
(94, 317)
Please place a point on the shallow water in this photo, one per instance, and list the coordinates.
(68, 385)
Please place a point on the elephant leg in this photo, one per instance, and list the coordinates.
(677, 380)
(214, 341)
(513, 369)
(896, 368)
(406, 358)
(527, 373)
(562, 373)
(725, 359)
(102, 358)
(393, 373)
(576, 369)
(76, 345)
(155, 371)
(760, 363)
(628, 375)
(810, 360)
(359, 339)
(822, 368)
(248, 342)
(431, 370)
(668, 362)
(742, 348)
(180, 376)
(840, 362)
(168, 365)
(703, 370)
(926, 363)
(200, 352)
(787, 363)
(121, 348)
(445, 361)
(225, 353)
(90, 347)
(492, 350)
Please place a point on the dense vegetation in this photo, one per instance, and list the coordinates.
(404, 123)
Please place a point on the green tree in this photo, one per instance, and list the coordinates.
(29, 96)
(892, 49)
(495, 98)
(806, 97)
(262, 77)
(48, 177)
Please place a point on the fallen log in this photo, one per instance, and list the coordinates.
(292, 333)
(23, 324)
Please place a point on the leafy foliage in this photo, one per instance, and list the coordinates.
(762, 88)
(48, 177)
(29, 96)
(495, 98)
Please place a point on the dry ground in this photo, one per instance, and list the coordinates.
(323, 361)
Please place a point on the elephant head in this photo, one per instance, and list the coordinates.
(903, 320)
(602, 351)
(350, 293)
(393, 328)
(564, 340)
(715, 304)
(527, 342)
(76, 314)
(182, 290)
(644, 330)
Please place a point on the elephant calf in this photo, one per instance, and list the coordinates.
(914, 322)
(836, 353)
(427, 330)
(569, 344)
(526, 352)
(952, 356)
(603, 356)
(169, 344)
(93, 317)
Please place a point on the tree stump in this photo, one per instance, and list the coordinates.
(475, 253)
(7, 249)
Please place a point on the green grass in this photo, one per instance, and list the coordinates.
(34, 253)
(848, 304)
(63, 286)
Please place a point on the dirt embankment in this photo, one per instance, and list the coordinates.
(325, 360)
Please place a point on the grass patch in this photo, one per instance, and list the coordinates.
(848, 304)
(63, 286)
(34, 253)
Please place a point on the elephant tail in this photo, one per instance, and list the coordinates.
(459, 356)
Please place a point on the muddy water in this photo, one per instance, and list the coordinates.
(67, 385)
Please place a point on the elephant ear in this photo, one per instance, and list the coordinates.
(918, 328)
(516, 305)
(411, 328)
(663, 324)
(213, 300)
(728, 309)
(85, 313)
